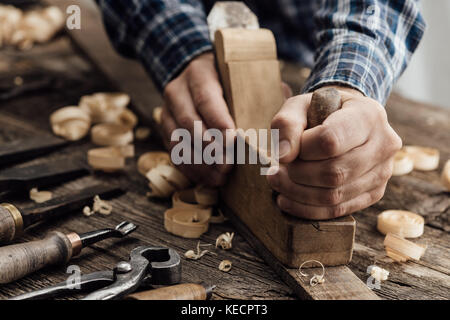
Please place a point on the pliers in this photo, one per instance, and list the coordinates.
(153, 265)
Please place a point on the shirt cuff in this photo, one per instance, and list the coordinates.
(355, 61)
(171, 41)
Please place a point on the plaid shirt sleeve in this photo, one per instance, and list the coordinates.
(364, 44)
(164, 34)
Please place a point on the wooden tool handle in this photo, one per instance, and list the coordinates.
(17, 261)
(187, 291)
(324, 102)
(7, 225)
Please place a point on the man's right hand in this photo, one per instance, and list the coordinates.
(196, 95)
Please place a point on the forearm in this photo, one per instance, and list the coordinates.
(364, 44)
(164, 35)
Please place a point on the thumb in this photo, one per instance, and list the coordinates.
(291, 121)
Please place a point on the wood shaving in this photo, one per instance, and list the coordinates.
(40, 196)
(402, 250)
(23, 29)
(403, 223)
(219, 218)
(142, 133)
(150, 160)
(109, 159)
(425, 159)
(225, 241)
(316, 278)
(111, 134)
(191, 254)
(164, 180)
(157, 114)
(225, 265)
(378, 273)
(101, 206)
(107, 107)
(71, 123)
(206, 196)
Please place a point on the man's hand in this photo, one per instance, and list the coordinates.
(196, 95)
(336, 168)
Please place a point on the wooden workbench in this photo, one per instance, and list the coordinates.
(70, 75)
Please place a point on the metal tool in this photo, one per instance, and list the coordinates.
(155, 265)
(21, 179)
(19, 260)
(25, 149)
(14, 220)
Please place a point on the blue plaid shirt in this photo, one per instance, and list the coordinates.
(364, 44)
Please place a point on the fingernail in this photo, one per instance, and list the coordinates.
(285, 148)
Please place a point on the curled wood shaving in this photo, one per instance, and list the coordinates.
(206, 196)
(403, 163)
(219, 218)
(191, 254)
(142, 133)
(225, 241)
(186, 223)
(225, 265)
(40, 196)
(150, 160)
(378, 273)
(24, 29)
(164, 180)
(71, 123)
(316, 278)
(111, 134)
(106, 107)
(403, 223)
(157, 114)
(425, 159)
(100, 206)
(109, 159)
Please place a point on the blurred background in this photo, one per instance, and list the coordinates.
(427, 78)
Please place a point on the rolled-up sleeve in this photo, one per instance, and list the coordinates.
(163, 34)
(364, 44)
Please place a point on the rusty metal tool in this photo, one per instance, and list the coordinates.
(152, 265)
(14, 220)
(19, 260)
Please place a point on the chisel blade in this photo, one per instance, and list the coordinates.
(43, 174)
(25, 149)
(67, 203)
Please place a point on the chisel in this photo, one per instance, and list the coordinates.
(22, 179)
(25, 149)
(19, 260)
(13, 220)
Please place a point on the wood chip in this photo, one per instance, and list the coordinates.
(397, 246)
(224, 241)
(105, 107)
(101, 206)
(109, 159)
(142, 133)
(316, 278)
(186, 223)
(191, 254)
(225, 265)
(403, 163)
(127, 119)
(40, 196)
(405, 224)
(71, 123)
(379, 274)
(150, 160)
(425, 159)
(157, 114)
(111, 134)
(218, 218)
(206, 196)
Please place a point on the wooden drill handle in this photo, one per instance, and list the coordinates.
(187, 291)
(324, 102)
(19, 260)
